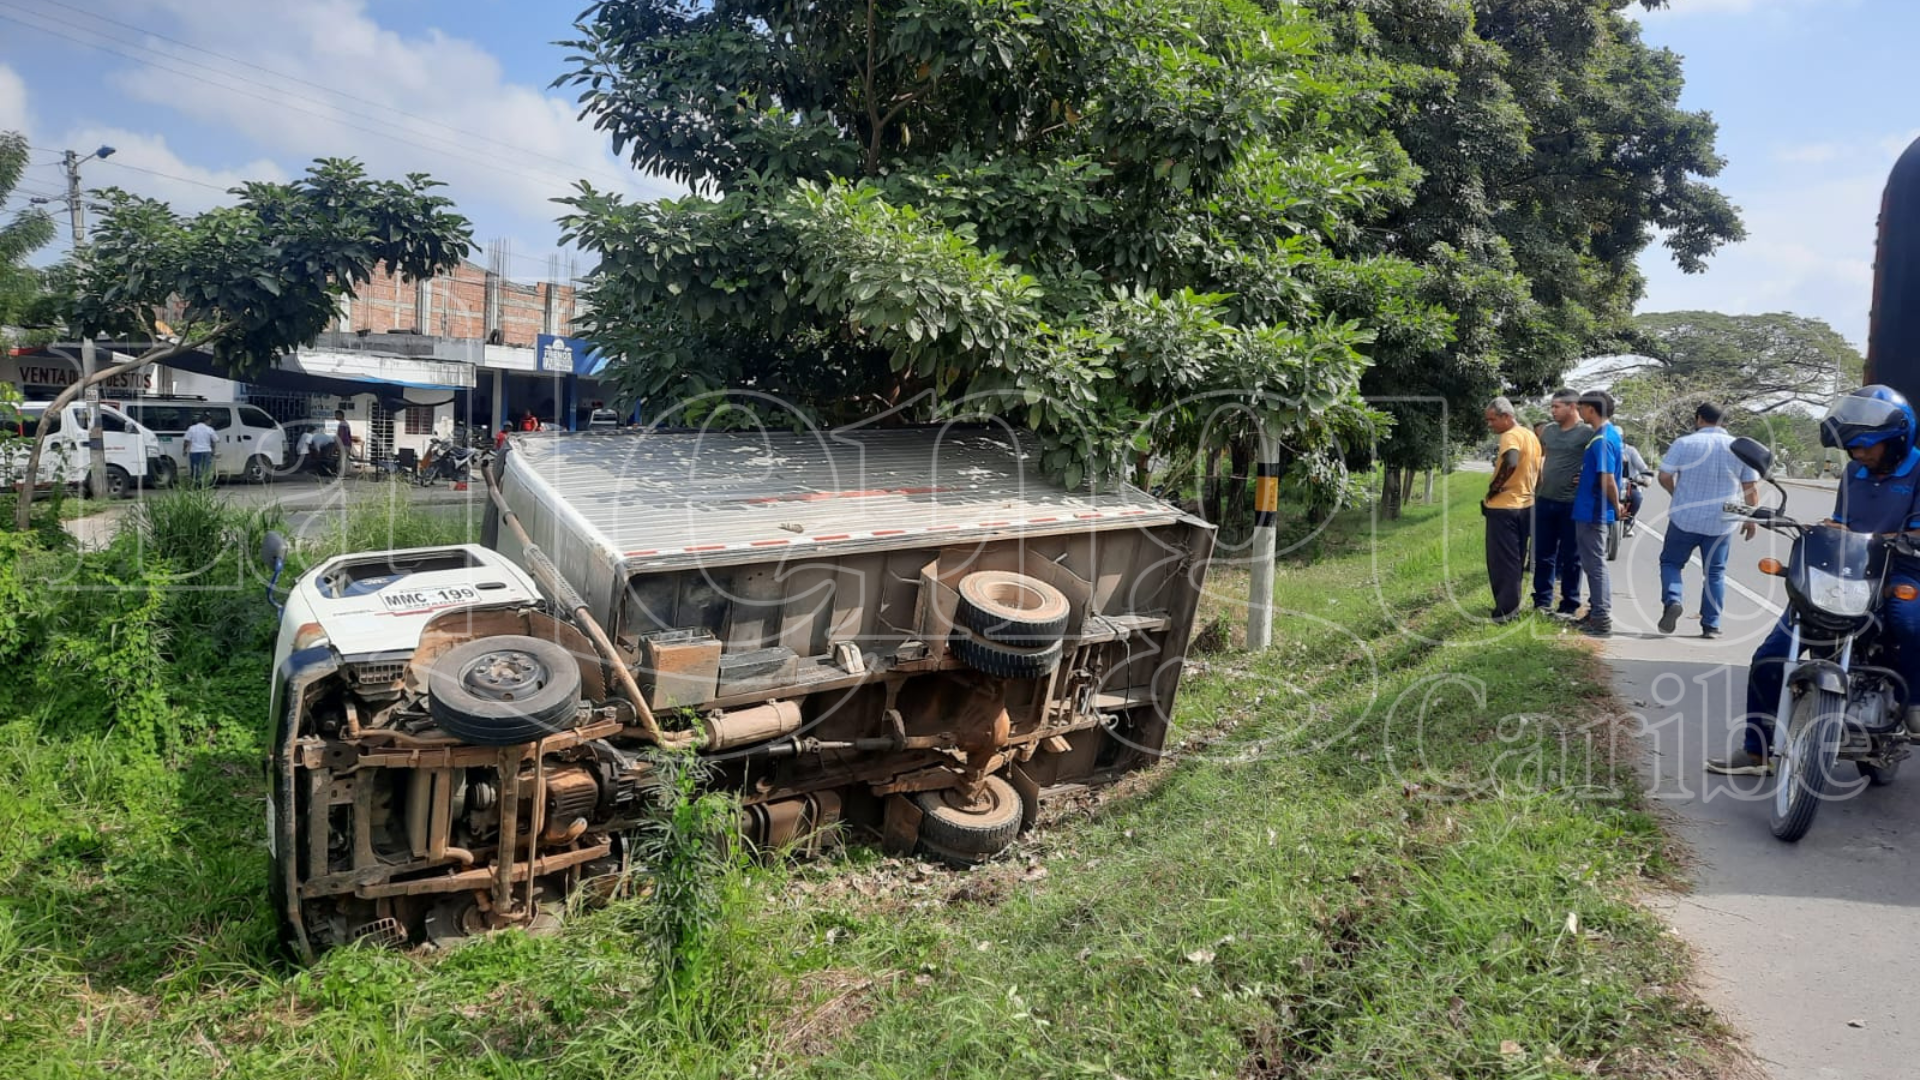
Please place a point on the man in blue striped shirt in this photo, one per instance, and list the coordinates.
(1702, 475)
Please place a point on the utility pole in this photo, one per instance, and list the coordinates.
(97, 433)
(1266, 506)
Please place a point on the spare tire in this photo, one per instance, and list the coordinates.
(503, 691)
(1011, 609)
(1006, 661)
(964, 832)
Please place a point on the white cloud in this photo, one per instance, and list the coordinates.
(1809, 248)
(13, 100)
(431, 103)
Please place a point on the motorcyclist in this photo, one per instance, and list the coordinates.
(1876, 427)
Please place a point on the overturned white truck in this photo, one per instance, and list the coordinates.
(907, 631)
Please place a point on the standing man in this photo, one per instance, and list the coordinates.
(1702, 475)
(1596, 505)
(1555, 553)
(343, 438)
(200, 438)
(1508, 507)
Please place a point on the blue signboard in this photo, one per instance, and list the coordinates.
(558, 355)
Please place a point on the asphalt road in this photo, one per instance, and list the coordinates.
(1804, 946)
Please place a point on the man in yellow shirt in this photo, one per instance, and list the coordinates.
(1508, 507)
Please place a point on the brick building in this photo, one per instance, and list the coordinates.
(467, 305)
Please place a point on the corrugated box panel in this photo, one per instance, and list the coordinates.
(659, 500)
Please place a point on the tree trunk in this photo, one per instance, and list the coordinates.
(1428, 498)
(1406, 486)
(1389, 492)
(1212, 504)
(1239, 492)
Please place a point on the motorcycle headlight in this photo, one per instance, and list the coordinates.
(1838, 595)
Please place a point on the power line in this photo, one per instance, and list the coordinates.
(281, 76)
(203, 75)
(165, 176)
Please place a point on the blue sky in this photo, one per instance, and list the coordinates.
(1815, 99)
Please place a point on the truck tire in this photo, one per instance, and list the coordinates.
(259, 470)
(1006, 661)
(963, 833)
(503, 691)
(1011, 609)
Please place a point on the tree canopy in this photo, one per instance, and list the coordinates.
(1111, 222)
(1550, 148)
(27, 231)
(1132, 225)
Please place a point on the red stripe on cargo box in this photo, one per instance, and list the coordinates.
(835, 536)
(706, 547)
(1041, 521)
(889, 532)
(769, 543)
(637, 554)
(942, 528)
(1092, 515)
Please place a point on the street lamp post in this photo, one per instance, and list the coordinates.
(96, 434)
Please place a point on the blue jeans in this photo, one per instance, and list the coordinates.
(1900, 620)
(200, 467)
(1555, 554)
(1679, 547)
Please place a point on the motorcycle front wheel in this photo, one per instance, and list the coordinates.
(1806, 762)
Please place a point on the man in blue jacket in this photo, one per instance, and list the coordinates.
(1596, 505)
(1876, 427)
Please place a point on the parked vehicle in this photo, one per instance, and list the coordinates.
(250, 444)
(1840, 700)
(905, 632)
(446, 461)
(134, 455)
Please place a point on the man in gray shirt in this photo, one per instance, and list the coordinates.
(1564, 441)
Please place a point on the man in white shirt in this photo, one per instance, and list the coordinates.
(1702, 475)
(200, 439)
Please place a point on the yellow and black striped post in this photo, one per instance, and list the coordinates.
(1266, 513)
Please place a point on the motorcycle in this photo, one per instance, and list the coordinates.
(446, 460)
(1622, 528)
(1839, 700)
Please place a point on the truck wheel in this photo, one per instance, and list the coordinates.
(966, 833)
(259, 470)
(1006, 661)
(503, 691)
(1011, 609)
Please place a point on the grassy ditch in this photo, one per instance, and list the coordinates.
(1394, 845)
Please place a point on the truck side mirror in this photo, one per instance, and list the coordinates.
(1754, 455)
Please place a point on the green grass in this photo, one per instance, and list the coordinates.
(1393, 845)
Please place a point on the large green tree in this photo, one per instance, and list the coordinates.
(26, 232)
(1771, 372)
(249, 282)
(1550, 149)
(1117, 223)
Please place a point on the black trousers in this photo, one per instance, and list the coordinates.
(1507, 533)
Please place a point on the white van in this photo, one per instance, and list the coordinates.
(248, 443)
(134, 455)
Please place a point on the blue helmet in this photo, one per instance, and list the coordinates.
(1869, 416)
